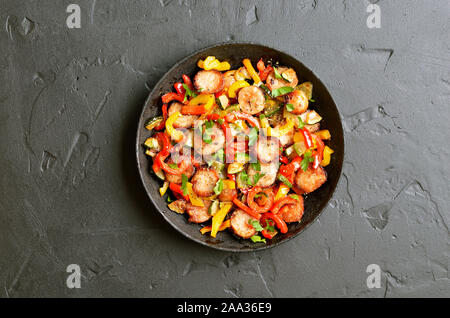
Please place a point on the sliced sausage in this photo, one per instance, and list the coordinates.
(292, 212)
(227, 195)
(198, 214)
(209, 82)
(298, 100)
(251, 100)
(176, 178)
(270, 173)
(311, 179)
(217, 140)
(185, 121)
(274, 83)
(240, 226)
(268, 149)
(204, 181)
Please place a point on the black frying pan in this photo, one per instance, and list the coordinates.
(234, 53)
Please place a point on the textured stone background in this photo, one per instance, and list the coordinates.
(70, 193)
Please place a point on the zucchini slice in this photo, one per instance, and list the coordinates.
(153, 122)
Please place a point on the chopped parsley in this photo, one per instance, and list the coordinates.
(277, 74)
(257, 239)
(256, 178)
(256, 225)
(189, 92)
(301, 123)
(243, 176)
(256, 165)
(307, 159)
(282, 91)
(289, 107)
(270, 226)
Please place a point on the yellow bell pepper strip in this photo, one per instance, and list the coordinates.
(226, 224)
(174, 134)
(195, 200)
(207, 99)
(283, 190)
(235, 87)
(280, 131)
(323, 134)
(223, 66)
(219, 217)
(327, 151)
(229, 184)
(211, 63)
(164, 188)
(251, 71)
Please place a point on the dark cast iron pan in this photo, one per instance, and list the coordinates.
(234, 53)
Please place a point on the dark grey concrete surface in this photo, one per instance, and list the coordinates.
(70, 193)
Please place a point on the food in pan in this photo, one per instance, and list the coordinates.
(238, 149)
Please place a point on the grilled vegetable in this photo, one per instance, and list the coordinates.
(306, 87)
(153, 122)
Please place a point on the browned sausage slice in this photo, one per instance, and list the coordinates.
(209, 82)
(311, 179)
(274, 83)
(239, 224)
(176, 178)
(251, 100)
(298, 100)
(198, 214)
(268, 149)
(227, 195)
(269, 170)
(292, 212)
(203, 182)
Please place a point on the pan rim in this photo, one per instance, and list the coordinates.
(167, 219)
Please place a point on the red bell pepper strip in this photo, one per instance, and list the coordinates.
(233, 116)
(159, 163)
(177, 171)
(166, 146)
(255, 206)
(318, 153)
(308, 138)
(231, 177)
(167, 98)
(246, 209)
(176, 189)
(179, 88)
(193, 110)
(284, 159)
(163, 123)
(280, 203)
(266, 233)
(278, 221)
(188, 81)
(263, 70)
(217, 95)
